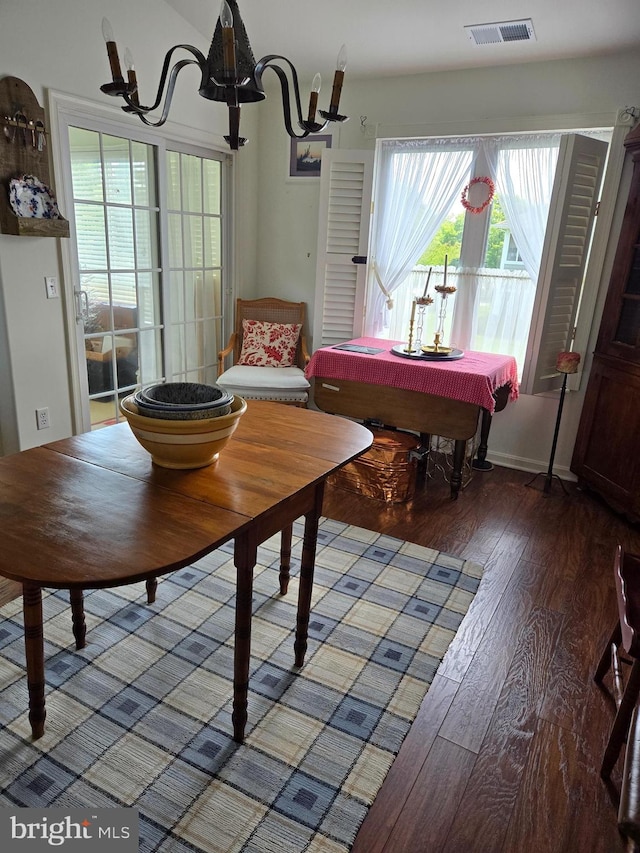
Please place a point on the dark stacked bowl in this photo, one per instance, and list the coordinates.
(183, 401)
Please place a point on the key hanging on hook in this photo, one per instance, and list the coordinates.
(41, 138)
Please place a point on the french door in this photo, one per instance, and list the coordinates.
(150, 276)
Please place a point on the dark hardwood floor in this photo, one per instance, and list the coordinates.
(505, 752)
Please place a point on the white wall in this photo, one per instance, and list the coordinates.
(526, 97)
(59, 46)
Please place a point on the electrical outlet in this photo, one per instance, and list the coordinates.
(42, 418)
(51, 283)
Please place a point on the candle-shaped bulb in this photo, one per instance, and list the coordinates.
(112, 51)
(107, 30)
(228, 41)
(338, 78)
(132, 80)
(313, 98)
(226, 15)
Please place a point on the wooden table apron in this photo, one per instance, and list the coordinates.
(425, 413)
(92, 512)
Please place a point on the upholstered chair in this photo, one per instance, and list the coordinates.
(269, 352)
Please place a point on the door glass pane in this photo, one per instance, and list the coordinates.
(148, 299)
(86, 164)
(123, 290)
(191, 291)
(144, 187)
(176, 296)
(146, 240)
(177, 347)
(212, 295)
(91, 237)
(191, 184)
(150, 356)
(173, 180)
(211, 242)
(120, 230)
(175, 239)
(193, 241)
(194, 347)
(211, 178)
(117, 170)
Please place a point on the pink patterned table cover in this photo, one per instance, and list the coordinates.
(473, 378)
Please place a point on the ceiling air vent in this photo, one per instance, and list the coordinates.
(505, 31)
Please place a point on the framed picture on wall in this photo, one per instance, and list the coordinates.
(306, 156)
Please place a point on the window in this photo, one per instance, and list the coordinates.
(500, 305)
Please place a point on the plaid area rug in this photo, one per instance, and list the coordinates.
(142, 716)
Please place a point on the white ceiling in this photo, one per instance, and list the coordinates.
(391, 37)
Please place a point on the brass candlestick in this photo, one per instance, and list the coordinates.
(409, 348)
(444, 290)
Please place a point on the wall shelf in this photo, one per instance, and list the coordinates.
(20, 154)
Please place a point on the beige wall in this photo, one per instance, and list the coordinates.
(526, 97)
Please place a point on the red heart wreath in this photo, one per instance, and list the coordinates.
(486, 202)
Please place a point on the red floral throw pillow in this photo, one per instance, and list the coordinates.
(269, 344)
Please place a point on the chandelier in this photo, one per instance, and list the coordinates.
(230, 75)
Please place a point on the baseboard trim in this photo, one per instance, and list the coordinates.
(532, 466)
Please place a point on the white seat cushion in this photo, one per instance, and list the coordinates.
(265, 383)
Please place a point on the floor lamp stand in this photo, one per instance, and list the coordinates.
(550, 475)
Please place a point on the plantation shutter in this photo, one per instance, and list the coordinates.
(564, 255)
(345, 204)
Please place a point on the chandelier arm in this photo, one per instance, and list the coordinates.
(141, 111)
(269, 62)
(198, 60)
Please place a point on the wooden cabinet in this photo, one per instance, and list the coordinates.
(606, 457)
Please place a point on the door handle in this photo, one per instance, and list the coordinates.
(82, 306)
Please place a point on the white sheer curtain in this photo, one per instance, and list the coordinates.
(523, 172)
(504, 302)
(418, 182)
(493, 308)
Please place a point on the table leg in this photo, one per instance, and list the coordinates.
(480, 462)
(152, 586)
(77, 617)
(244, 556)
(34, 653)
(423, 458)
(501, 397)
(307, 566)
(285, 557)
(459, 449)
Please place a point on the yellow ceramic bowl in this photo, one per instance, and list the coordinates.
(183, 444)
